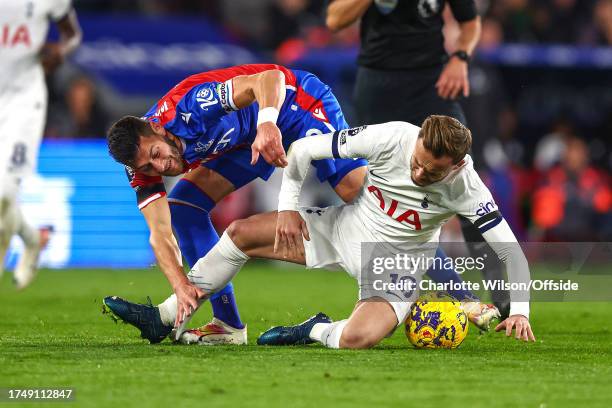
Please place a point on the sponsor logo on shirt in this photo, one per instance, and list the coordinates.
(13, 37)
(485, 208)
(163, 108)
(201, 147)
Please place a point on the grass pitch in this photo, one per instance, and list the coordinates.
(54, 335)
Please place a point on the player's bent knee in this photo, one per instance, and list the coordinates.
(357, 338)
(238, 232)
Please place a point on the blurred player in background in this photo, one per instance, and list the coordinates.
(25, 58)
(402, 50)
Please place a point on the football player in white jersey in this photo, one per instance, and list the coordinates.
(407, 166)
(25, 57)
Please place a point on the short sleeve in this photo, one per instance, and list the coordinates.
(58, 9)
(147, 188)
(374, 143)
(463, 10)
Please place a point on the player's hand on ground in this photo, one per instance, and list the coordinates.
(521, 327)
(453, 80)
(290, 228)
(268, 143)
(187, 298)
(51, 56)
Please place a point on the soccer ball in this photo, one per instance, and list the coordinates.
(436, 321)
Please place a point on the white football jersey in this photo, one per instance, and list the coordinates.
(23, 31)
(390, 205)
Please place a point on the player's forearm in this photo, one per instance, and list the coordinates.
(469, 35)
(168, 257)
(70, 33)
(504, 243)
(343, 13)
(301, 153)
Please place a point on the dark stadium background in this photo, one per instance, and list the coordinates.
(540, 110)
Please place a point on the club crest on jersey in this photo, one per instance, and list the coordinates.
(205, 97)
(425, 202)
(409, 216)
(485, 208)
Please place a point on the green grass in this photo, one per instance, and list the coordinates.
(54, 335)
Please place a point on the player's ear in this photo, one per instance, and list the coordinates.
(157, 128)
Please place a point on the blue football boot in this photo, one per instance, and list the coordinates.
(146, 318)
(290, 335)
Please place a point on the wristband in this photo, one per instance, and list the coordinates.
(269, 114)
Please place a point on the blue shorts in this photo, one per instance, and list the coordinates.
(318, 111)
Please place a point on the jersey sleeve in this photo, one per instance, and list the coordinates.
(147, 188)
(207, 102)
(375, 143)
(463, 10)
(58, 9)
(477, 204)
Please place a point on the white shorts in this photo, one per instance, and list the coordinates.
(336, 237)
(22, 122)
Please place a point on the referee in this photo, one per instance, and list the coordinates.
(404, 72)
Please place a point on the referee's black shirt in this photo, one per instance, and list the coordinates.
(406, 34)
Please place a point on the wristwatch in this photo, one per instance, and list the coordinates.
(462, 55)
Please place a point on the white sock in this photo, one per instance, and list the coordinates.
(218, 267)
(328, 334)
(211, 273)
(167, 310)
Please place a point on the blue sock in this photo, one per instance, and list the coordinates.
(448, 274)
(196, 236)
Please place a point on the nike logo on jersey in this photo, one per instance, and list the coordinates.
(186, 117)
(378, 176)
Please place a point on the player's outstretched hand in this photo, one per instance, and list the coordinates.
(290, 228)
(521, 325)
(187, 298)
(453, 80)
(268, 143)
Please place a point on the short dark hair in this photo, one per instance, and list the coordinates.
(446, 136)
(123, 138)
